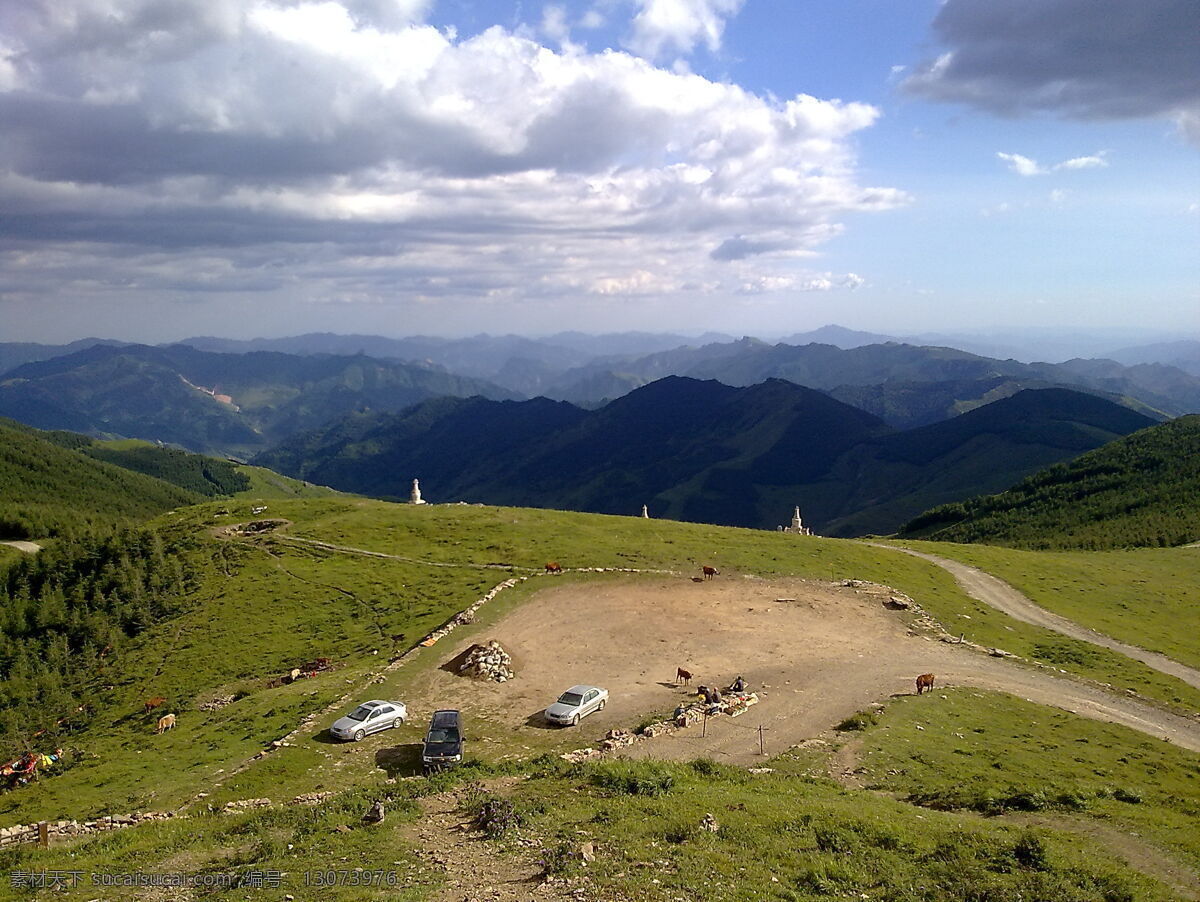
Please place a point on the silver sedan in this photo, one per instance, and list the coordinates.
(369, 717)
(576, 703)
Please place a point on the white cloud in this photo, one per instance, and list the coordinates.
(1095, 161)
(677, 26)
(322, 150)
(1022, 165)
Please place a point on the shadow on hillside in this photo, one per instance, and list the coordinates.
(326, 738)
(400, 760)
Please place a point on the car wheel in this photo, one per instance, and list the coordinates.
(575, 721)
(358, 735)
(600, 707)
(397, 722)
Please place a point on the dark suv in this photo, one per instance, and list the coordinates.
(444, 742)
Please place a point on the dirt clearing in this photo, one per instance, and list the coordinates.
(814, 658)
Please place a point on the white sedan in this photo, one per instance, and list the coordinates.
(576, 703)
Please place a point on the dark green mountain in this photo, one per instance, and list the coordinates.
(705, 452)
(175, 394)
(884, 483)
(46, 489)
(1140, 490)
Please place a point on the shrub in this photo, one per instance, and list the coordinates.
(1121, 794)
(1030, 852)
(860, 721)
(635, 778)
(557, 860)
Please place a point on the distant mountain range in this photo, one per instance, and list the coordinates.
(239, 398)
(231, 403)
(704, 451)
(905, 385)
(1140, 490)
(1184, 355)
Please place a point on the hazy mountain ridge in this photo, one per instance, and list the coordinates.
(1184, 355)
(171, 394)
(704, 451)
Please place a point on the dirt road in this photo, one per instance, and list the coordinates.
(1000, 595)
(27, 547)
(815, 658)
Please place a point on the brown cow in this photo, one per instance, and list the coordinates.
(553, 567)
(682, 676)
(152, 703)
(710, 572)
(166, 722)
(924, 681)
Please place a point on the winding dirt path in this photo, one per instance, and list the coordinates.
(1000, 595)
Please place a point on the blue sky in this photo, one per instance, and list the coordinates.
(405, 166)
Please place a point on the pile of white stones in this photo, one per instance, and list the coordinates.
(490, 662)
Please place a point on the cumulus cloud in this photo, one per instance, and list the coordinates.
(1080, 59)
(1026, 166)
(677, 26)
(1021, 165)
(347, 151)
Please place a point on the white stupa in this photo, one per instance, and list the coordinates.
(415, 497)
(797, 528)
(645, 513)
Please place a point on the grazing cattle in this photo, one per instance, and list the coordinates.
(166, 722)
(553, 567)
(924, 681)
(153, 703)
(682, 676)
(710, 572)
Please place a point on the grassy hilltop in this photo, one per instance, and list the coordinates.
(250, 609)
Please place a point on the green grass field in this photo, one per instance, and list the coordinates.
(269, 604)
(267, 607)
(1148, 597)
(266, 484)
(995, 754)
(926, 832)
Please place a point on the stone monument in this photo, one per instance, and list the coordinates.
(415, 497)
(645, 513)
(797, 528)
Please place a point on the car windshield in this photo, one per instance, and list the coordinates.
(570, 698)
(362, 712)
(442, 736)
